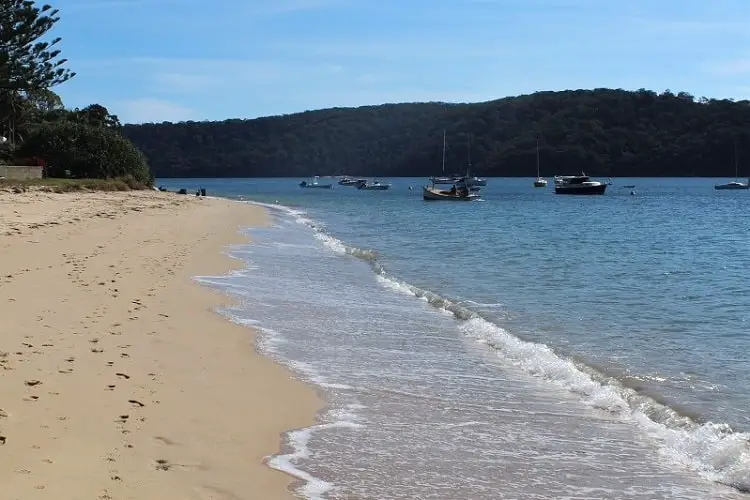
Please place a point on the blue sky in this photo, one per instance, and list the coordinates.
(157, 60)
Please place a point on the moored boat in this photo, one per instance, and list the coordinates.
(314, 184)
(443, 180)
(469, 180)
(350, 181)
(540, 181)
(375, 185)
(735, 184)
(732, 185)
(461, 190)
(431, 193)
(474, 181)
(578, 184)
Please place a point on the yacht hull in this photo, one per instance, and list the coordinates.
(432, 194)
(581, 190)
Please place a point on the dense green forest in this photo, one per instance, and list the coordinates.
(604, 132)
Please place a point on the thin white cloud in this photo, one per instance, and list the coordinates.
(690, 27)
(185, 82)
(738, 67)
(420, 49)
(373, 79)
(742, 92)
(288, 6)
(198, 75)
(119, 4)
(361, 97)
(147, 110)
(255, 7)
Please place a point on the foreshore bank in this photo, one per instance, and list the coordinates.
(117, 378)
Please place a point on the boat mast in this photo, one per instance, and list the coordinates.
(736, 173)
(537, 159)
(468, 154)
(443, 152)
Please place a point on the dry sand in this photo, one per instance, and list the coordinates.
(117, 379)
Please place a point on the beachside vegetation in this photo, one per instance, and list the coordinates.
(83, 151)
(605, 132)
(37, 127)
(54, 185)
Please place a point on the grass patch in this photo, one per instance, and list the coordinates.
(72, 185)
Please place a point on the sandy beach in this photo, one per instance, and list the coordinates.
(117, 378)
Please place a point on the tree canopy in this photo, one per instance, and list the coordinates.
(27, 63)
(83, 143)
(605, 132)
(84, 151)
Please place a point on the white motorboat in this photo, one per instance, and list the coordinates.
(578, 184)
(375, 185)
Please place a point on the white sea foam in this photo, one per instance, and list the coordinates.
(713, 450)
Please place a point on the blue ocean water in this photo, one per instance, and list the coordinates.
(526, 346)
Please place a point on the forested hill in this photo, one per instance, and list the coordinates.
(604, 132)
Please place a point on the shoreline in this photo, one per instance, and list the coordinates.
(120, 377)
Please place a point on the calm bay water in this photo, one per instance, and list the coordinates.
(526, 346)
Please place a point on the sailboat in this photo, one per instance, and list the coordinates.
(443, 179)
(540, 182)
(459, 192)
(469, 180)
(736, 184)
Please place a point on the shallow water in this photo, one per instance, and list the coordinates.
(527, 346)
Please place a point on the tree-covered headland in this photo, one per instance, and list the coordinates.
(36, 127)
(605, 132)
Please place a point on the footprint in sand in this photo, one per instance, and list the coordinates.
(162, 464)
(123, 375)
